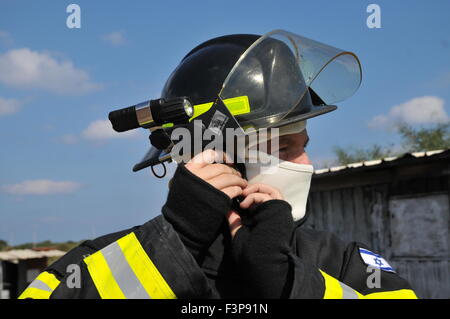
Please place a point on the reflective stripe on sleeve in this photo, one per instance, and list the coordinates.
(349, 293)
(396, 294)
(124, 270)
(122, 273)
(102, 277)
(334, 289)
(144, 268)
(42, 287)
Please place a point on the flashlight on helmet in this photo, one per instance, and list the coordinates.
(152, 113)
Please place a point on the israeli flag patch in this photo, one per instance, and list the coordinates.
(375, 260)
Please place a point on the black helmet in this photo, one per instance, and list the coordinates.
(203, 70)
(277, 74)
(202, 73)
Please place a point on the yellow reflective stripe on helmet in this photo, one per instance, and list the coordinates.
(42, 287)
(102, 277)
(396, 294)
(236, 105)
(144, 269)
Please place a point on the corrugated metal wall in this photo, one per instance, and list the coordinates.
(372, 215)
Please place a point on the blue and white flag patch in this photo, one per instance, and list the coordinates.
(375, 260)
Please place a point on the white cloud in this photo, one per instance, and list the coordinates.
(420, 110)
(102, 130)
(97, 131)
(24, 68)
(115, 38)
(9, 106)
(41, 187)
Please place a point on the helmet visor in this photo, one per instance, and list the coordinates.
(279, 70)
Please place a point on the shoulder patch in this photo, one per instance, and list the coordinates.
(375, 260)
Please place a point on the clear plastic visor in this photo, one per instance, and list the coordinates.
(277, 72)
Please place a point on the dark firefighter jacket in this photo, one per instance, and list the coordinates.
(187, 252)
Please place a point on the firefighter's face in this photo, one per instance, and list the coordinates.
(292, 148)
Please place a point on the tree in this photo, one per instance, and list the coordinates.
(3, 244)
(430, 138)
(354, 154)
(425, 139)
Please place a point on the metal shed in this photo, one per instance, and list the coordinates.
(399, 206)
(19, 267)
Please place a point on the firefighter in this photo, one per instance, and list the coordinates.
(203, 245)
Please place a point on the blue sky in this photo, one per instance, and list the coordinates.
(65, 176)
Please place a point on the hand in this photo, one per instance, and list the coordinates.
(221, 176)
(257, 194)
(261, 249)
(254, 194)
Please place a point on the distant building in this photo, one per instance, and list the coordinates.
(399, 206)
(20, 267)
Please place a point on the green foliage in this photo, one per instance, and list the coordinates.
(3, 244)
(435, 137)
(425, 139)
(64, 246)
(67, 245)
(355, 154)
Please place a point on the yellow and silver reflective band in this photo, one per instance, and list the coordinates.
(236, 105)
(334, 289)
(395, 294)
(42, 287)
(124, 270)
